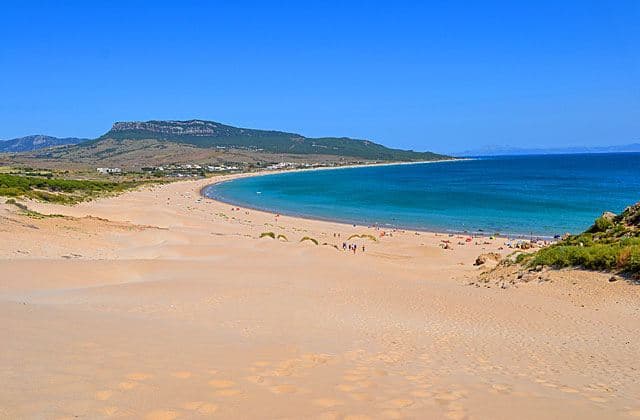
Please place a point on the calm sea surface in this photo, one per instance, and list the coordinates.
(543, 195)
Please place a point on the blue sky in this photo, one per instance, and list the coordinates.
(444, 76)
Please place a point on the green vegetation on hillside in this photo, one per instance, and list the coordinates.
(611, 244)
(210, 134)
(57, 190)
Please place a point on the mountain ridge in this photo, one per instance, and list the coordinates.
(36, 142)
(211, 134)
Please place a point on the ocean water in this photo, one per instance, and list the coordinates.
(516, 195)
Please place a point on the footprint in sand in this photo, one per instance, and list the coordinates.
(501, 388)
(138, 376)
(110, 411)
(569, 390)
(421, 393)
(228, 392)
(201, 407)
(127, 385)
(361, 396)
(183, 374)
(103, 395)
(207, 408)
(193, 405)
(456, 415)
(366, 384)
(329, 415)
(634, 413)
(284, 389)
(161, 415)
(448, 396)
(326, 402)
(399, 403)
(221, 383)
(345, 387)
(256, 379)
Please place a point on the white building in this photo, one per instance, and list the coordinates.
(106, 171)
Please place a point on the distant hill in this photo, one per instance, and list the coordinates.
(29, 143)
(507, 150)
(210, 134)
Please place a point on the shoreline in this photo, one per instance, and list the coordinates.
(476, 234)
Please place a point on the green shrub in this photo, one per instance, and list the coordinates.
(268, 235)
(608, 256)
(602, 224)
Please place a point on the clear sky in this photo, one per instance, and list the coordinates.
(440, 75)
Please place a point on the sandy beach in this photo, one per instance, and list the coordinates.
(162, 304)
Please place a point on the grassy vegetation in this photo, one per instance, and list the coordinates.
(59, 190)
(31, 213)
(268, 235)
(611, 244)
(283, 237)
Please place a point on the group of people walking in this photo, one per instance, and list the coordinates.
(351, 247)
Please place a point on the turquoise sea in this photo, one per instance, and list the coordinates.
(516, 195)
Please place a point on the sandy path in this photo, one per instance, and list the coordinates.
(171, 307)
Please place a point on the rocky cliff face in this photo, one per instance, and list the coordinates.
(194, 127)
(186, 128)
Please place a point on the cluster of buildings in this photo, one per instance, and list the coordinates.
(291, 165)
(195, 170)
(188, 169)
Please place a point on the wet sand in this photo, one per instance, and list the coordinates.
(162, 304)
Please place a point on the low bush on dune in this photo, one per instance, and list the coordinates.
(283, 237)
(307, 238)
(268, 235)
(611, 244)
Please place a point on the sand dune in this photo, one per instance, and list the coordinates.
(165, 305)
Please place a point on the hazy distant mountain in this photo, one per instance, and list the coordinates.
(210, 134)
(507, 150)
(29, 143)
